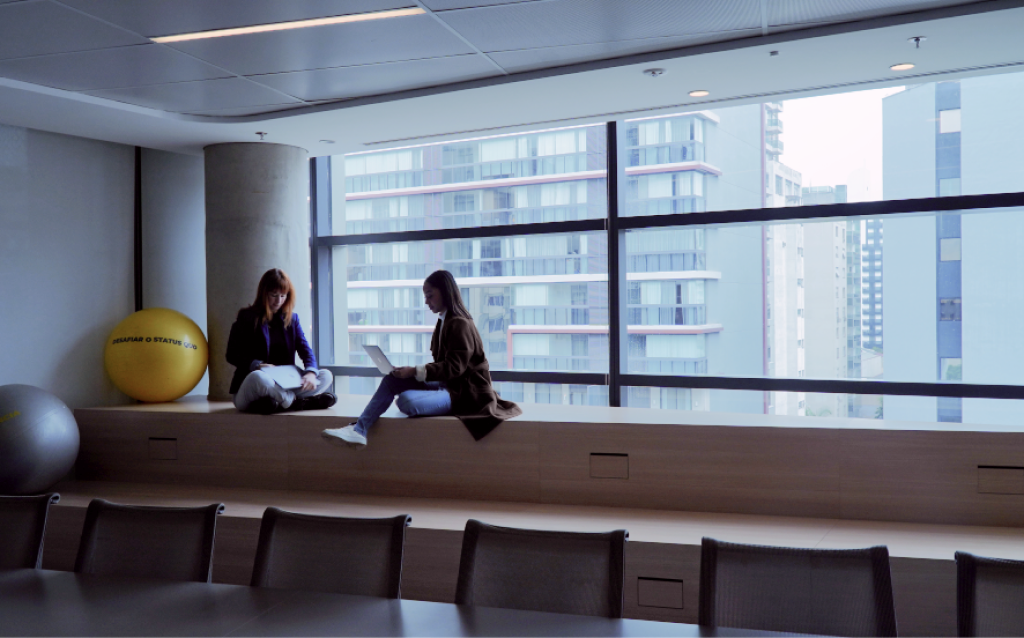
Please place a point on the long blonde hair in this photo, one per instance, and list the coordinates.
(274, 280)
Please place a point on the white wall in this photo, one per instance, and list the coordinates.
(66, 260)
(174, 238)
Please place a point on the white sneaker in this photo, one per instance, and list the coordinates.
(346, 435)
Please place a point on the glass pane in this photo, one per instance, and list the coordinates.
(545, 393)
(937, 139)
(521, 178)
(553, 393)
(540, 302)
(841, 410)
(911, 298)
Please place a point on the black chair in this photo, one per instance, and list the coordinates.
(360, 556)
(563, 572)
(989, 596)
(173, 543)
(813, 591)
(22, 525)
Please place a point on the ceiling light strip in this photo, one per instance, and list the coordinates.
(297, 24)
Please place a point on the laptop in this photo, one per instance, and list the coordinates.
(379, 358)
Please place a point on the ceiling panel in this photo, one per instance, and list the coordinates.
(376, 79)
(197, 96)
(533, 59)
(560, 22)
(351, 44)
(40, 27)
(798, 11)
(168, 17)
(110, 68)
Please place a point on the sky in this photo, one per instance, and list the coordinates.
(837, 139)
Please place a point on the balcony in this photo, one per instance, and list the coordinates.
(773, 125)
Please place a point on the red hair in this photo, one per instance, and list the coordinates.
(274, 280)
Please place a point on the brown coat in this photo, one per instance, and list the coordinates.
(459, 362)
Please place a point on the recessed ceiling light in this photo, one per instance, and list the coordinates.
(327, 141)
(699, 93)
(297, 24)
(903, 66)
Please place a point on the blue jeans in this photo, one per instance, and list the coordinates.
(414, 399)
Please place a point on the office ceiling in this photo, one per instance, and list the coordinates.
(88, 67)
(102, 47)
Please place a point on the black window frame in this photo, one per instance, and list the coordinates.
(616, 226)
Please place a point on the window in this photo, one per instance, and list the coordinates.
(949, 121)
(949, 187)
(951, 369)
(949, 309)
(718, 296)
(949, 249)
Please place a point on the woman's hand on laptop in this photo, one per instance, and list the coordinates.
(405, 372)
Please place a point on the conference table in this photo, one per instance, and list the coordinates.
(51, 603)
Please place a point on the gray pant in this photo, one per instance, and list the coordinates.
(258, 384)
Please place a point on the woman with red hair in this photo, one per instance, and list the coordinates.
(265, 336)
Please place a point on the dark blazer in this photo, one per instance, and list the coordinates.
(249, 345)
(459, 362)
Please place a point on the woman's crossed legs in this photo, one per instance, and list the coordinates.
(415, 398)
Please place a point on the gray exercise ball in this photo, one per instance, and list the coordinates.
(38, 440)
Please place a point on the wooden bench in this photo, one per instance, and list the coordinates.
(581, 455)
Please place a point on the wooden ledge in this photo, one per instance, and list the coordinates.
(350, 406)
(906, 540)
(575, 455)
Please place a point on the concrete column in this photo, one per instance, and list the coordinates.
(257, 218)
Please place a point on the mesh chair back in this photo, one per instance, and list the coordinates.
(173, 543)
(811, 591)
(22, 525)
(360, 556)
(989, 596)
(564, 572)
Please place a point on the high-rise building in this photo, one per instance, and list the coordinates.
(952, 280)
(832, 285)
(540, 302)
(871, 280)
(696, 297)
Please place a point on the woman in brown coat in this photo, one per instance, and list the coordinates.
(458, 382)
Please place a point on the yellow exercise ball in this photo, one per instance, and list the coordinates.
(157, 354)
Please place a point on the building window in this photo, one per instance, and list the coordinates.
(949, 121)
(949, 249)
(949, 187)
(951, 369)
(949, 309)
